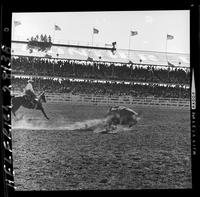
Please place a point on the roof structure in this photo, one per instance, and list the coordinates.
(121, 55)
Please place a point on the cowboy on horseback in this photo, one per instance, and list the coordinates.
(29, 92)
(29, 100)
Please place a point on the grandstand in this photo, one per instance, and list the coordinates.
(67, 71)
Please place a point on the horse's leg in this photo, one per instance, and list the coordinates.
(42, 109)
(15, 117)
(14, 109)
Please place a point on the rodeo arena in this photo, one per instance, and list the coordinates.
(104, 118)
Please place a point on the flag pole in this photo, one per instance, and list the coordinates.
(54, 33)
(13, 31)
(92, 41)
(166, 49)
(129, 44)
(92, 36)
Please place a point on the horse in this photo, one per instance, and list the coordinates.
(19, 101)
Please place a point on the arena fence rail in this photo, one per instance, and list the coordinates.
(84, 99)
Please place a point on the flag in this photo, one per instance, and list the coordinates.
(95, 31)
(89, 59)
(16, 23)
(57, 28)
(170, 37)
(133, 33)
(170, 64)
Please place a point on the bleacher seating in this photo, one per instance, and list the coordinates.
(99, 70)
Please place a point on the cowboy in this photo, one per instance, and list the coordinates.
(29, 92)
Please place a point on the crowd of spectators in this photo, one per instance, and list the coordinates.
(41, 38)
(99, 70)
(98, 88)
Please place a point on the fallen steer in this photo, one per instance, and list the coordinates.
(121, 115)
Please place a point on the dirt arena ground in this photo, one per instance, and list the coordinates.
(57, 155)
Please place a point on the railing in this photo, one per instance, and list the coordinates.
(117, 100)
(114, 100)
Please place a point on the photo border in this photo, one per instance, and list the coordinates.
(6, 136)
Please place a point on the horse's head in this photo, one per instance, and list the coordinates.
(42, 97)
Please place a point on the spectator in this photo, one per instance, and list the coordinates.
(45, 38)
(37, 37)
(101, 70)
(108, 88)
(41, 38)
(49, 38)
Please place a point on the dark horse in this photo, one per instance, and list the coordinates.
(19, 101)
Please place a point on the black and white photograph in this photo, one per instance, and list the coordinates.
(101, 100)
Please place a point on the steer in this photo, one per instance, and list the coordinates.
(120, 115)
